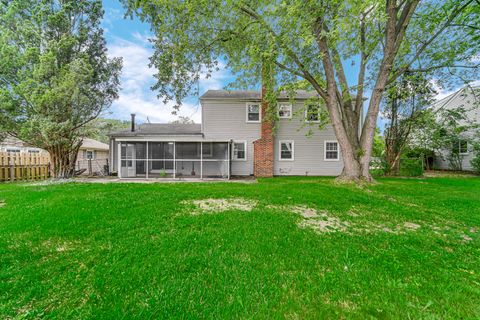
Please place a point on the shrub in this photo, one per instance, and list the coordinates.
(411, 167)
(475, 162)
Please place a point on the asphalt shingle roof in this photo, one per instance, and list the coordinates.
(251, 95)
(161, 129)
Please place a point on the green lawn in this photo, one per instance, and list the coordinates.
(400, 249)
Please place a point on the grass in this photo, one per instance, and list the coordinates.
(134, 251)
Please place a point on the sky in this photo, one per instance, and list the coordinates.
(128, 38)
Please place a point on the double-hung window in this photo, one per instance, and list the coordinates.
(286, 148)
(239, 150)
(312, 113)
(331, 151)
(253, 112)
(285, 111)
(460, 146)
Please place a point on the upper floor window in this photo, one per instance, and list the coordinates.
(460, 146)
(312, 113)
(253, 112)
(239, 150)
(286, 150)
(331, 151)
(285, 111)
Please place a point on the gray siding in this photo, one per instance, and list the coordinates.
(441, 161)
(227, 120)
(308, 149)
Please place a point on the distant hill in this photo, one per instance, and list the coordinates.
(101, 127)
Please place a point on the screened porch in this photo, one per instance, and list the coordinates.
(174, 160)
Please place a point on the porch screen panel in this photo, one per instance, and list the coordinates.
(160, 159)
(215, 163)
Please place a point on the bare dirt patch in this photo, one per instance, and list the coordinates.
(221, 205)
(325, 225)
(2, 203)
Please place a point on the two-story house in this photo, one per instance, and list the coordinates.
(468, 99)
(232, 140)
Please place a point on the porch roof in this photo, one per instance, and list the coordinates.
(161, 129)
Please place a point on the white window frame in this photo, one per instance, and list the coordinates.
(13, 150)
(86, 154)
(306, 114)
(289, 106)
(244, 142)
(460, 147)
(280, 150)
(325, 150)
(259, 112)
(33, 150)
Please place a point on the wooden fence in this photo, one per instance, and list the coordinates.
(24, 166)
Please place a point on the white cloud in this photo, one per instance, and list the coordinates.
(137, 78)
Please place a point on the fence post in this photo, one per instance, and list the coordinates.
(11, 165)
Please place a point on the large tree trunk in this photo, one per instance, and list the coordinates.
(63, 158)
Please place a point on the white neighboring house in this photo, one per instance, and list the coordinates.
(14, 145)
(469, 99)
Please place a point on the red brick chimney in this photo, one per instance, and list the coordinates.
(263, 148)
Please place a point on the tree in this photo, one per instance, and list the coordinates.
(183, 120)
(313, 41)
(100, 128)
(55, 77)
(405, 102)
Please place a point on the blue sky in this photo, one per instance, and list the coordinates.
(128, 39)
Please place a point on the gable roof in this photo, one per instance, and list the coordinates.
(93, 144)
(161, 129)
(252, 95)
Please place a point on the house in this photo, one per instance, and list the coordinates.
(232, 140)
(13, 145)
(92, 155)
(467, 98)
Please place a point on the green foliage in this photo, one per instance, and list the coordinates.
(378, 144)
(100, 128)
(411, 167)
(55, 76)
(475, 162)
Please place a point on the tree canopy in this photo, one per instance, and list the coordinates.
(55, 76)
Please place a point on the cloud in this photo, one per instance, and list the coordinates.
(137, 78)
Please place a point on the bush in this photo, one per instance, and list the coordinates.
(377, 166)
(411, 167)
(475, 162)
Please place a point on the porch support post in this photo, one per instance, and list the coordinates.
(119, 146)
(201, 160)
(174, 160)
(146, 162)
(228, 159)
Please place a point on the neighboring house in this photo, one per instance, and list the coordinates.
(93, 157)
(231, 140)
(467, 98)
(12, 144)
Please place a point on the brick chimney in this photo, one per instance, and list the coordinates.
(263, 148)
